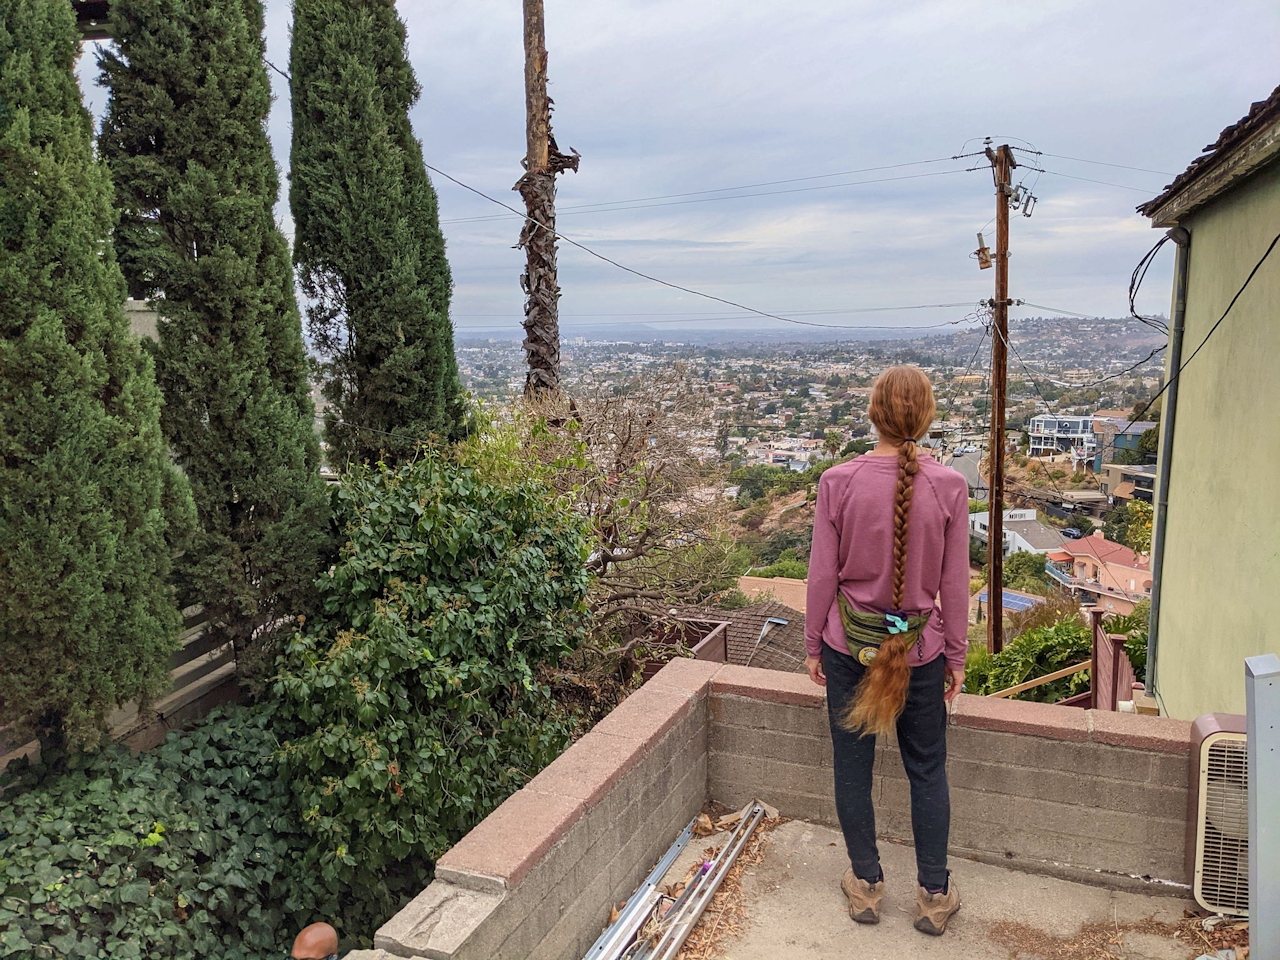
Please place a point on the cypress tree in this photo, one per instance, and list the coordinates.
(368, 245)
(185, 136)
(91, 508)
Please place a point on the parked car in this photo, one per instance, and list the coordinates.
(1071, 533)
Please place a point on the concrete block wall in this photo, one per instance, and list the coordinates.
(1083, 794)
(537, 877)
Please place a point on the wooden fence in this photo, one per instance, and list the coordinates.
(202, 676)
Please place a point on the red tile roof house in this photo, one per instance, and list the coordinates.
(1054, 792)
(1112, 575)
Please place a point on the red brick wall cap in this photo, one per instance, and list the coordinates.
(771, 685)
(684, 675)
(1138, 732)
(1160, 734)
(1019, 716)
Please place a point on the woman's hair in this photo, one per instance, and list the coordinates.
(902, 409)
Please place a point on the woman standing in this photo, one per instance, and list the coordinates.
(886, 634)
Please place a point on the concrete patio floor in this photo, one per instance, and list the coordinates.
(795, 910)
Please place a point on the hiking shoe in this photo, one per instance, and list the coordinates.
(864, 898)
(936, 909)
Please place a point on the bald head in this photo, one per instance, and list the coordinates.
(315, 942)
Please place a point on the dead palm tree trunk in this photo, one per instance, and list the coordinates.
(538, 236)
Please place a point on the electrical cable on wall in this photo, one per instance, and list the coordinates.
(1135, 284)
(1212, 330)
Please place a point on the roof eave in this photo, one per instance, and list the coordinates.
(1223, 172)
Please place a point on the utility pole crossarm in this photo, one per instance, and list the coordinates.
(543, 161)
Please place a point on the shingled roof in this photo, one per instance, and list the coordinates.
(1239, 150)
(1107, 551)
(768, 635)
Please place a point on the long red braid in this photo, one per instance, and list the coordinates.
(902, 408)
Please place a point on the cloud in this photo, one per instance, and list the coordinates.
(672, 96)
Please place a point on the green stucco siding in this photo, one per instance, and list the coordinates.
(1220, 595)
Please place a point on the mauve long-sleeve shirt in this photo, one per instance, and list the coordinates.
(853, 552)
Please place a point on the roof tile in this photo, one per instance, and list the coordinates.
(1260, 114)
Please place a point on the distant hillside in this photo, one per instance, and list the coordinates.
(1062, 342)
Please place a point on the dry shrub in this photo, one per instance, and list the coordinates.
(637, 461)
(1058, 606)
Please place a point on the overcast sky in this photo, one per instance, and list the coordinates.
(666, 97)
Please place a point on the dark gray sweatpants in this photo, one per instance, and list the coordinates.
(922, 740)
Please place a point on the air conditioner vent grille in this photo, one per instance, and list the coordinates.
(1222, 880)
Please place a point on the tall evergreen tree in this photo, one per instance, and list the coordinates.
(368, 244)
(185, 136)
(90, 505)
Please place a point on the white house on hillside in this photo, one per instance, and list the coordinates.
(1060, 434)
(1022, 532)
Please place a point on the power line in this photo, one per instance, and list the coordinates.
(834, 326)
(697, 317)
(1048, 473)
(1050, 406)
(714, 317)
(964, 376)
(617, 206)
(1114, 376)
(1135, 284)
(1212, 330)
(798, 313)
(642, 275)
(1065, 313)
(1103, 163)
(1105, 183)
(767, 183)
(277, 69)
(701, 196)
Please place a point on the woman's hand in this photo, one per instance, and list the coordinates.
(814, 664)
(955, 680)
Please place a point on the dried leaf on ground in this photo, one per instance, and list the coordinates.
(1222, 934)
(703, 827)
(726, 914)
(1095, 941)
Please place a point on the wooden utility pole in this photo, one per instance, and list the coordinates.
(1002, 164)
(543, 160)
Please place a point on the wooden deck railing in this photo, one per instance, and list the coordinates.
(1041, 681)
(1110, 673)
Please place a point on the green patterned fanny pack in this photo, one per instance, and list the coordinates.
(867, 631)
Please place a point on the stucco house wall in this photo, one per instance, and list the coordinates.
(1219, 601)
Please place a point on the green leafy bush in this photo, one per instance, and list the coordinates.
(1039, 651)
(796, 569)
(415, 696)
(191, 850)
(1135, 627)
(1025, 571)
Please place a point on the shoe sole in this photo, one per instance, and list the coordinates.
(925, 925)
(868, 915)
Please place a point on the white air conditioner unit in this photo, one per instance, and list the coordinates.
(1218, 825)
